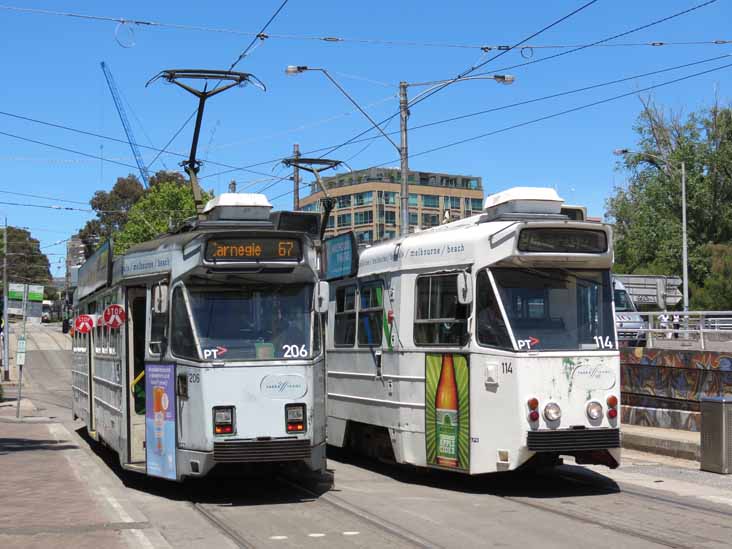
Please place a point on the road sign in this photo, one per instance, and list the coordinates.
(114, 316)
(20, 358)
(21, 345)
(84, 324)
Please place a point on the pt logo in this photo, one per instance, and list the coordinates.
(214, 353)
(528, 343)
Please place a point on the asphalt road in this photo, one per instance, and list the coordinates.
(651, 501)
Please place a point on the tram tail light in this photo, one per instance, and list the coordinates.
(295, 418)
(612, 402)
(533, 404)
(223, 419)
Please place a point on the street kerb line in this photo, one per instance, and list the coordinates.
(99, 492)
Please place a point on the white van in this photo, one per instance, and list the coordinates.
(629, 323)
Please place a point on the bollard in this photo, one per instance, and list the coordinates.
(716, 435)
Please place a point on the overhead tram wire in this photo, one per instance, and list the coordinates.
(231, 67)
(118, 140)
(501, 108)
(333, 39)
(73, 209)
(543, 118)
(631, 31)
(45, 197)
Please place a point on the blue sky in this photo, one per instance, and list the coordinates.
(52, 73)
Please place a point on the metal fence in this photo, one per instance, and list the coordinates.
(705, 330)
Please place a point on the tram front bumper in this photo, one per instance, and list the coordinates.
(588, 446)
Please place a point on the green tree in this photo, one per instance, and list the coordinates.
(165, 205)
(647, 211)
(26, 262)
(717, 290)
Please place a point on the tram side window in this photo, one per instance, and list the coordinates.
(491, 328)
(345, 316)
(370, 314)
(182, 341)
(439, 319)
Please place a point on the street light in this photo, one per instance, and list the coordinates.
(404, 105)
(684, 245)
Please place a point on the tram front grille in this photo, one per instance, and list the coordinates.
(568, 440)
(240, 451)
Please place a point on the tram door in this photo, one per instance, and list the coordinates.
(136, 299)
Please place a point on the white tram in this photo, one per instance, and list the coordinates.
(203, 347)
(479, 345)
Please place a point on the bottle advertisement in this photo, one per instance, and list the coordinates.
(447, 411)
(160, 420)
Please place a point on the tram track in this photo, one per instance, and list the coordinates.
(223, 527)
(666, 538)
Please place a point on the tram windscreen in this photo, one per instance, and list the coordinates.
(253, 322)
(558, 309)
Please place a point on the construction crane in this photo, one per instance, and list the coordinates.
(126, 124)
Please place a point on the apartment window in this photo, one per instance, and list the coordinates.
(370, 314)
(363, 218)
(331, 222)
(345, 316)
(413, 200)
(477, 204)
(440, 319)
(364, 237)
(363, 199)
(430, 201)
(430, 220)
(388, 235)
(389, 198)
(390, 217)
(455, 202)
(344, 220)
(344, 201)
(413, 218)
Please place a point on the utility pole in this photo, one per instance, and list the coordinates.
(6, 326)
(684, 248)
(296, 178)
(232, 186)
(404, 156)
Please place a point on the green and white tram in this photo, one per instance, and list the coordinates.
(479, 345)
(203, 347)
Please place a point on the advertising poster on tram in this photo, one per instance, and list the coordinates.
(447, 410)
(160, 420)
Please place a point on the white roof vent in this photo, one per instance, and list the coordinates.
(238, 207)
(523, 200)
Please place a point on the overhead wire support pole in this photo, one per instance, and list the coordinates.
(6, 326)
(126, 124)
(404, 158)
(174, 76)
(296, 178)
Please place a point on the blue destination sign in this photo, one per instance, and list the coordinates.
(340, 256)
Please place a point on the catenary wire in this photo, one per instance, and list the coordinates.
(333, 39)
(45, 197)
(543, 118)
(636, 29)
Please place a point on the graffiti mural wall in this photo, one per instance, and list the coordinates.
(663, 387)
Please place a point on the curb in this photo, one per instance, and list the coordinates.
(653, 445)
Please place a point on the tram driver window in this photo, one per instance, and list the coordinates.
(370, 314)
(491, 328)
(182, 341)
(345, 316)
(439, 319)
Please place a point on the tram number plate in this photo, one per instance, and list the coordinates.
(194, 378)
(506, 367)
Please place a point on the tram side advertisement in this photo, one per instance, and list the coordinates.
(160, 420)
(447, 411)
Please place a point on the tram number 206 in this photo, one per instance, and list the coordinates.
(294, 351)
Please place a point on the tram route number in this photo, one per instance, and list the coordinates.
(506, 367)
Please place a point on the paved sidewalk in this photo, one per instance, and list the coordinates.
(668, 442)
(44, 503)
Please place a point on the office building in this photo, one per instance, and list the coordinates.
(367, 201)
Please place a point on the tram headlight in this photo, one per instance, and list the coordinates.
(594, 410)
(295, 418)
(223, 420)
(552, 412)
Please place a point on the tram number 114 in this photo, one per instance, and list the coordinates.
(603, 342)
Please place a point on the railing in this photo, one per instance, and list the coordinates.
(697, 329)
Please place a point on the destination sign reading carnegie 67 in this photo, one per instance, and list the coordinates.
(260, 248)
